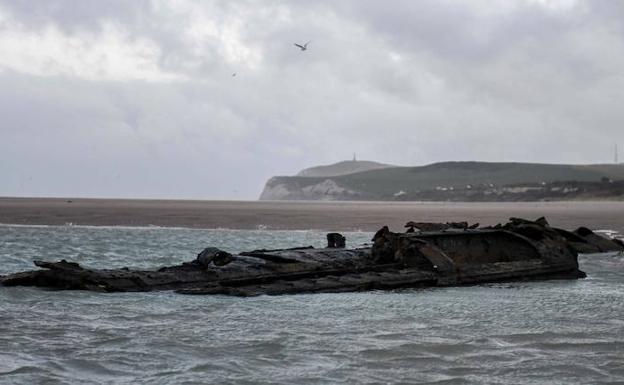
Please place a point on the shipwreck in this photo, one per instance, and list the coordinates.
(426, 255)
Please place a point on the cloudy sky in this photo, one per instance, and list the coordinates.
(137, 98)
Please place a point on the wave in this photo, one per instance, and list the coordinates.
(258, 228)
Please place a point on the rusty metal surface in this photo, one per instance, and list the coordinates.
(518, 250)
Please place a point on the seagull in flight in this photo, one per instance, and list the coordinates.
(302, 47)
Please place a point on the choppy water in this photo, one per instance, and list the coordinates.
(555, 332)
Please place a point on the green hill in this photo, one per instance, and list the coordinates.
(394, 182)
(342, 168)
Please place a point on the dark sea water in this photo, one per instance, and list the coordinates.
(552, 332)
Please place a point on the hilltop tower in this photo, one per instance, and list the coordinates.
(615, 154)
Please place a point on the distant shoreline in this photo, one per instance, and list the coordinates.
(296, 215)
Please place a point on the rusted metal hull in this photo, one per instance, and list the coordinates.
(519, 250)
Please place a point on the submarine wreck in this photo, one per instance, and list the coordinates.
(426, 255)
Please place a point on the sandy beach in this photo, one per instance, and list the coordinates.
(339, 216)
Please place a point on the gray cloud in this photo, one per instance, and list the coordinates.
(137, 99)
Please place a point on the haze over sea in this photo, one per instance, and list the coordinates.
(556, 332)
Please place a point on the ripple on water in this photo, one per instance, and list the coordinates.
(521, 333)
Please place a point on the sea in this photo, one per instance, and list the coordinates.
(549, 332)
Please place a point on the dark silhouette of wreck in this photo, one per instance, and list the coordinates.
(427, 255)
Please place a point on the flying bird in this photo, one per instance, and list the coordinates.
(302, 47)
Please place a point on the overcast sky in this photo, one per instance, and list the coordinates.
(138, 98)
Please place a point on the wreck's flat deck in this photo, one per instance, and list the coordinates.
(339, 216)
